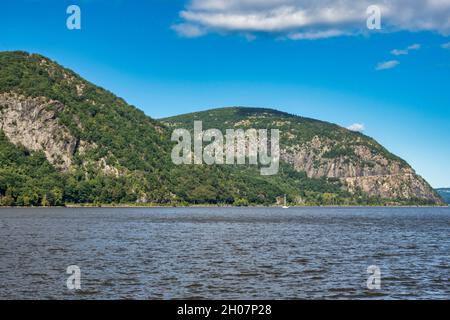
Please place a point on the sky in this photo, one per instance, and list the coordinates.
(316, 59)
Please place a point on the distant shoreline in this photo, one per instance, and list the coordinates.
(109, 206)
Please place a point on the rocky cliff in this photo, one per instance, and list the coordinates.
(360, 168)
(325, 150)
(33, 123)
(65, 140)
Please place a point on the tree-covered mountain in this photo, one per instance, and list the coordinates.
(325, 151)
(107, 150)
(444, 193)
(65, 140)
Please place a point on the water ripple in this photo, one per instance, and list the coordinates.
(225, 253)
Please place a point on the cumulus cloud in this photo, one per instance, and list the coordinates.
(357, 127)
(311, 19)
(387, 65)
(400, 52)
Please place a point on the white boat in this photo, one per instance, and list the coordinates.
(285, 204)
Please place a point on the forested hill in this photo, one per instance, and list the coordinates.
(445, 194)
(65, 140)
(324, 150)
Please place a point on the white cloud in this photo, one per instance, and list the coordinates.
(446, 45)
(397, 52)
(313, 19)
(414, 47)
(387, 65)
(357, 127)
(315, 35)
(188, 30)
(400, 52)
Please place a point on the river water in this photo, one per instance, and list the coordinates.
(225, 253)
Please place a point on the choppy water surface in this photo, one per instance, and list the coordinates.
(228, 253)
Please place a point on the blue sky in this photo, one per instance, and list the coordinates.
(172, 57)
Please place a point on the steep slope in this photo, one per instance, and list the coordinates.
(324, 150)
(109, 150)
(24, 175)
(65, 140)
(42, 94)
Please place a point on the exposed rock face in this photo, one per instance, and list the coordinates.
(32, 122)
(325, 150)
(368, 172)
(403, 186)
(311, 158)
(359, 163)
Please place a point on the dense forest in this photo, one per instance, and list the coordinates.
(110, 133)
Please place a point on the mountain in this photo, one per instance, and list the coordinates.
(444, 193)
(104, 149)
(323, 150)
(65, 140)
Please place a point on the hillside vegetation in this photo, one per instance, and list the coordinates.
(65, 140)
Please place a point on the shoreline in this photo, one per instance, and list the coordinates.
(109, 206)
